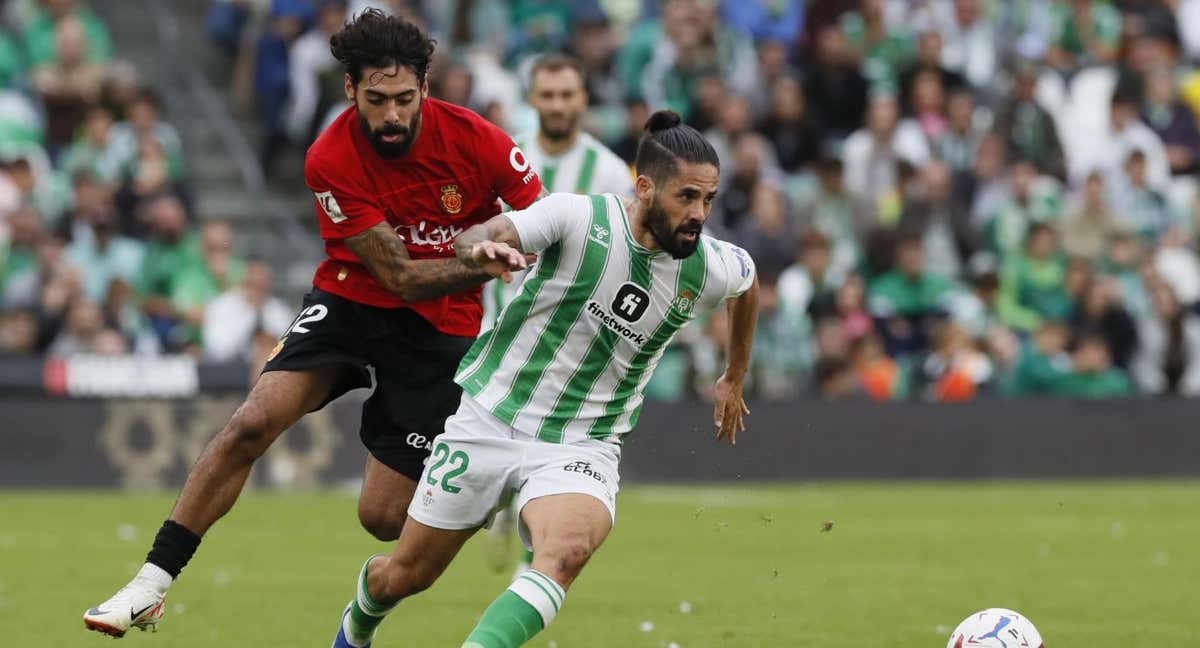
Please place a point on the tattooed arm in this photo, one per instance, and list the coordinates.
(386, 258)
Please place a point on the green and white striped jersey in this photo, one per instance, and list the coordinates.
(588, 167)
(570, 356)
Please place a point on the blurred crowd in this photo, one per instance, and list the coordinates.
(100, 252)
(945, 198)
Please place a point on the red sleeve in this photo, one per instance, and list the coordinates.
(343, 207)
(512, 177)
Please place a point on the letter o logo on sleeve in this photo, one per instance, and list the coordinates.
(517, 159)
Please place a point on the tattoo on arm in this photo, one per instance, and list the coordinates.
(385, 257)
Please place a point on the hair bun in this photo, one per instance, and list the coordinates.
(662, 120)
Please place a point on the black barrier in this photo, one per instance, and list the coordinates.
(149, 444)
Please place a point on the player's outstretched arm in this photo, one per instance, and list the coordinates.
(730, 407)
(386, 258)
(489, 245)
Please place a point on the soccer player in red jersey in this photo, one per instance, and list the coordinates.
(396, 177)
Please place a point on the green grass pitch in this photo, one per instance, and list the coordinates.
(1093, 564)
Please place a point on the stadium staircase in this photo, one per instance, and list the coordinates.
(166, 41)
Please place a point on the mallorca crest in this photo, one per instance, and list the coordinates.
(452, 201)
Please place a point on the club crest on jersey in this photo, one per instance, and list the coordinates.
(599, 235)
(684, 302)
(452, 201)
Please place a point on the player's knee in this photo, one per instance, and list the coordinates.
(380, 522)
(568, 555)
(251, 430)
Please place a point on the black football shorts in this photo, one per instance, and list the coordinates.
(414, 366)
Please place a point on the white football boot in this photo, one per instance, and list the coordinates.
(137, 605)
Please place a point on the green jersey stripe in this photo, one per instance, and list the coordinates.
(691, 279)
(548, 173)
(587, 276)
(584, 183)
(592, 367)
(491, 348)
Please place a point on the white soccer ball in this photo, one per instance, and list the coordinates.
(995, 628)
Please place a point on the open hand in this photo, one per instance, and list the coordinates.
(729, 409)
(499, 259)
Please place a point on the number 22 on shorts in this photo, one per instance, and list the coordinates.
(458, 461)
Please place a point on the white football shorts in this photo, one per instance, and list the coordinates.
(479, 461)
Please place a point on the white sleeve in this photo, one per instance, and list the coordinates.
(739, 268)
(548, 220)
(615, 178)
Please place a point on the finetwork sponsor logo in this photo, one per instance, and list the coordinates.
(596, 310)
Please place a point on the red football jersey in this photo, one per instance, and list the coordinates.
(451, 179)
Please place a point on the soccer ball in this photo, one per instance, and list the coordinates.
(995, 628)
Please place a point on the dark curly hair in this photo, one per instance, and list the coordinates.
(376, 39)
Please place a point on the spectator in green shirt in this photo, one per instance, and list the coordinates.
(1033, 283)
(907, 301)
(1093, 375)
(38, 34)
(1084, 32)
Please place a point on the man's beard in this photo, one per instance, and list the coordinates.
(390, 150)
(670, 240)
(555, 133)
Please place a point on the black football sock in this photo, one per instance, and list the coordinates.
(173, 548)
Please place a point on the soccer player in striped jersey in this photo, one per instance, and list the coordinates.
(552, 390)
(567, 159)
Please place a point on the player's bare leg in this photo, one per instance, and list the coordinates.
(421, 555)
(566, 530)
(383, 502)
(277, 401)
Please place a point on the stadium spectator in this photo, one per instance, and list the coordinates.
(1168, 356)
(67, 84)
(1098, 313)
(1028, 129)
(239, 320)
(1172, 120)
(970, 40)
(1033, 283)
(90, 142)
(1143, 208)
(928, 61)
(315, 86)
(1028, 199)
(833, 85)
(1088, 228)
(791, 127)
(106, 255)
(286, 22)
(873, 154)
(827, 207)
(1092, 373)
(909, 300)
(959, 143)
(1084, 32)
(943, 224)
(39, 32)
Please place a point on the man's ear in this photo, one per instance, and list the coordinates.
(643, 187)
(349, 88)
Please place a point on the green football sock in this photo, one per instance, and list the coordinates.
(365, 613)
(522, 611)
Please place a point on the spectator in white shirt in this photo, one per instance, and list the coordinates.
(241, 317)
